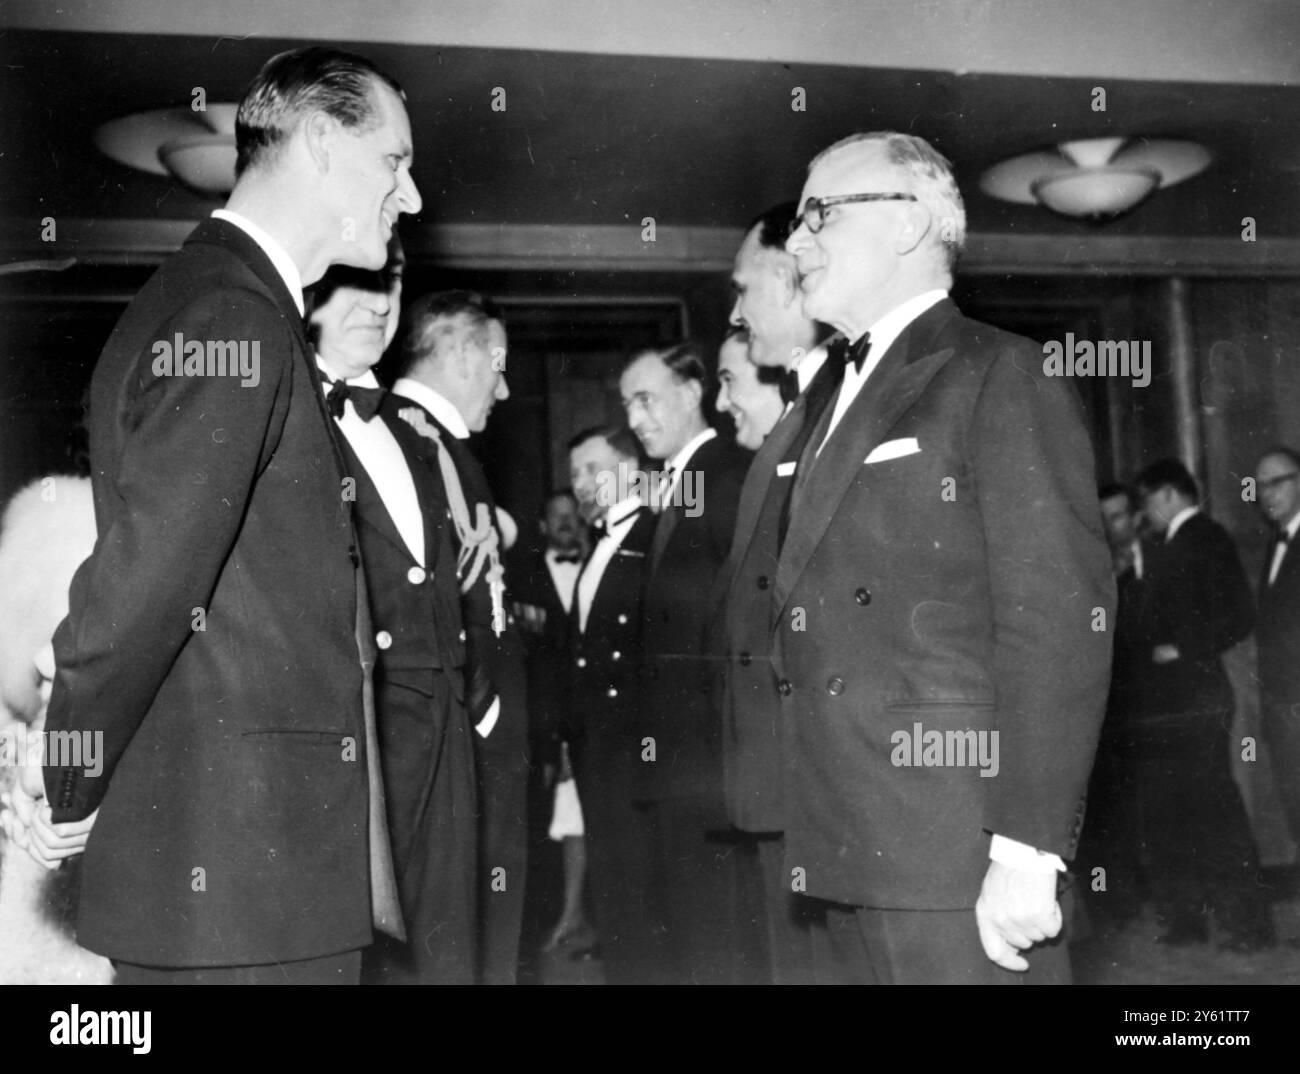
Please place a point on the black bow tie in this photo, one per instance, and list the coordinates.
(789, 386)
(857, 352)
(365, 400)
(575, 558)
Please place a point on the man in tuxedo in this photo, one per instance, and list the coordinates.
(1196, 606)
(679, 777)
(404, 533)
(769, 307)
(600, 695)
(939, 598)
(218, 638)
(1277, 483)
(451, 374)
(1109, 840)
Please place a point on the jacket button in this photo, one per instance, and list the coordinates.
(622, 619)
(762, 581)
(581, 661)
(835, 687)
(462, 635)
(784, 688)
(745, 658)
(383, 639)
(416, 575)
(862, 597)
(611, 692)
(616, 655)
(354, 556)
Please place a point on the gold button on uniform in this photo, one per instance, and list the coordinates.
(383, 639)
(416, 575)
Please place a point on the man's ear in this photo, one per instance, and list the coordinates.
(787, 280)
(318, 132)
(914, 228)
(696, 391)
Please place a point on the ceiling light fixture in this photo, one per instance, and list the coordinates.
(196, 148)
(1095, 177)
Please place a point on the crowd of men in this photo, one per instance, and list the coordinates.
(819, 704)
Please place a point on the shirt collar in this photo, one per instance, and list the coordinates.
(1292, 526)
(678, 462)
(1176, 523)
(442, 408)
(891, 325)
(279, 258)
(366, 380)
(622, 511)
(807, 366)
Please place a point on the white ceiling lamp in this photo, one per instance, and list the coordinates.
(1095, 177)
(197, 148)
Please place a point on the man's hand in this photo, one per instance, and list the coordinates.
(1164, 654)
(1017, 908)
(28, 822)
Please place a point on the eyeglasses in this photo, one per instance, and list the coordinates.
(814, 209)
(1268, 484)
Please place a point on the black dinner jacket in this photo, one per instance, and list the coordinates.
(212, 639)
(1278, 628)
(1196, 598)
(686, 554)
(948, 586)
(751, 707)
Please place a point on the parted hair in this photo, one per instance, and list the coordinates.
(439, 318)
(295, 83)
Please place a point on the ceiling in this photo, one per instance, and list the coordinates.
(597, 137)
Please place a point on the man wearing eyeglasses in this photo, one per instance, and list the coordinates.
(1277, 483)
(942, 592)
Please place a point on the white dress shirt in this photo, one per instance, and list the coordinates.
(619, 520)
(1280, 552)
(279, 258)
(883, 333)
(437, 404)
(805, 369)
(563, 575)
(677, 464)
(382, 457)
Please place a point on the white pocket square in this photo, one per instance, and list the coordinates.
(893, 449)
(785, 469)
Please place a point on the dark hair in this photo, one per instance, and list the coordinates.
(775, 225)
(429, 322)
(1281, 449)
(1117, 488)
(1169, 472)
(618, 437)
(684, 360)
(304, 80)
(559, 494)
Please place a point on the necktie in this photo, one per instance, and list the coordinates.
(365, 400)
(789, 386)
(857, 352)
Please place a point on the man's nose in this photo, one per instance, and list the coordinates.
(734, 318)
(408, 194)
(724, 399)
(799, 238)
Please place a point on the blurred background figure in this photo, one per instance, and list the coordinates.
(1196, 605)
(1277, 484)
(47, 530)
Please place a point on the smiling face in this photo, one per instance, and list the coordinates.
(357, 320)
(663, 411)
(370, 173)
(594, 474)
(754, 406)
(849, 271)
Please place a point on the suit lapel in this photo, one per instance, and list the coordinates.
(821, 482)
(762, 471)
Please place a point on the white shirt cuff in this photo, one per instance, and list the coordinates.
(489, 721)
(1016, 855)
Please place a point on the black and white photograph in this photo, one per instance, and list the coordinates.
(746, 493)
